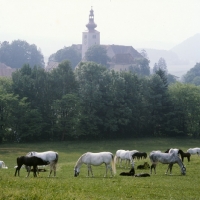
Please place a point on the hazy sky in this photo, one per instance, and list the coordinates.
(53, 24)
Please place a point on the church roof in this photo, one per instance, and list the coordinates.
(121, 49)
(6, 70)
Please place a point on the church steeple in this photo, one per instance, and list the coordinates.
(91, 25)
(91, 36)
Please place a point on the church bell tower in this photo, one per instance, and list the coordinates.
(91, 36)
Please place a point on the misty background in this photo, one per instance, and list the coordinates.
(168, 29)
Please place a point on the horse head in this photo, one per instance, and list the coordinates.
(183, 170)
(76, 171)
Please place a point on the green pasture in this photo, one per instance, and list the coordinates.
(66, 186)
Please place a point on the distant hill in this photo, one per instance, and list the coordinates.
(170, 57)
(189, 49)
(180, 58)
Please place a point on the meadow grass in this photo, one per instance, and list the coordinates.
(66, 186)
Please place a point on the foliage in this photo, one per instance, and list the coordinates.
(94, 102)
(193, 75)
(140, 67)
(160, 65)
(19, 52)
(171, 79)
(98, 54)
(144, 53)
(186, 100)
(67, 53)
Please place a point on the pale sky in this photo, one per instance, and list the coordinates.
(53, 24)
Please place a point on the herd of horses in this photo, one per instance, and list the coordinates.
(170, 157)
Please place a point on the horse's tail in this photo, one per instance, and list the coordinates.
(152, 158)
(115, 158)
(56, 160)
(114, 163)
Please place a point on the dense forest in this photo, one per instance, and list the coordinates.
(93, 102)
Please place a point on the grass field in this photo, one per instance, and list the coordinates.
(66, 186)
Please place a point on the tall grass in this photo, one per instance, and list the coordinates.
(66, 186)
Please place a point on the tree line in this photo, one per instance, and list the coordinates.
(93, 102)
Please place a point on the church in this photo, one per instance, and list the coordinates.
(121, 57)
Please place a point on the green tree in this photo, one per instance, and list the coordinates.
(13, 114)
(186, 101)
(135, 104)
(102, 93)
(19, 53)
(193, 75)
(140, 67)
(67, 53)
(160, 65)
(98, 54)
(160, 104)
(171, 78)
(144, 54)
(68, 112)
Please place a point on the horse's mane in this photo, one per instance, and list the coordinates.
(80, 159)
(180, 151)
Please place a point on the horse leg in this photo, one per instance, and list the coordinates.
(111, 171)
(28, 170)
(106, 170)
(118, 159)
(90, 170)
(37, 171)
(132, 163)
(35, 168)
(188, 158)
(127, 163)
(50, 169)
(17, 170)
(120, 162)
(54, 167)
(167, 169)
(153, 166)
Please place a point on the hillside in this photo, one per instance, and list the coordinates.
(189, 49)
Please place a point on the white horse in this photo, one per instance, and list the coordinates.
(96, 159)
(2, 165)
(166, 158)
(50, 156)
(125, 155)
(176, 151)
(194, 151)
(117, 156)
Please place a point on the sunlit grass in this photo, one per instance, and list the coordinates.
(66, 186)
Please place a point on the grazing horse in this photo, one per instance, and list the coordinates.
(172, 150)
(166, 158)
(194, 151)
(139, 155)
(29, 161)
(50, 156)
(144, 166)
(183, 154)
(96, 159)
(125, 155)
(2, 165)
(117, 155)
